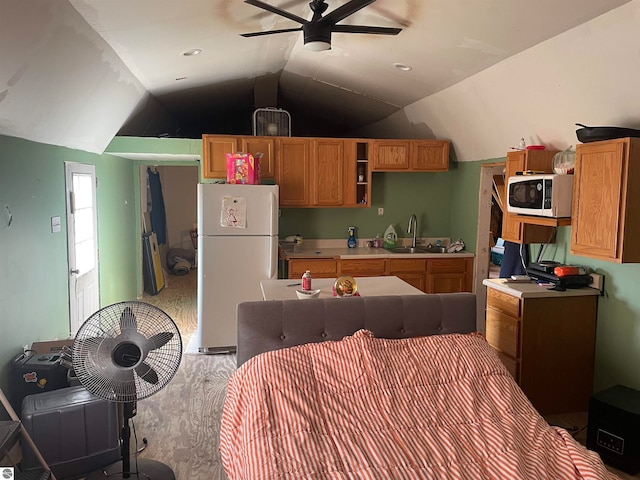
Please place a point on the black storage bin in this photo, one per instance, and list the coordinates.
(75, 431)
(34, 373)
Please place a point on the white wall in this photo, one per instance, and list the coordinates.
(179, 189)
(587, 75)
(60, 83)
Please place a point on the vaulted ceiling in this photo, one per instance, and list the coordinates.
(143, 45)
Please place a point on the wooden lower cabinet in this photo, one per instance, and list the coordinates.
(412, 271)
(319, 267)
(431, 275)
(448, 275)
(547, 344)
(374, 267)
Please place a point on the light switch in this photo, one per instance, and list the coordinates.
(55, 224)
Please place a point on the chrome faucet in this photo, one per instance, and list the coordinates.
(413, 226)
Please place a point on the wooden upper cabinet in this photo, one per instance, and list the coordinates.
(292, 171)
(410, 155)
(430, 155)
(514, 227)
(214, 160)
(357, 177)
(264, 145)
(391, 154)
(605, 221)
(214, 148)
(327, 172)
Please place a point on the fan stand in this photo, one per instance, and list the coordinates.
(147, 469)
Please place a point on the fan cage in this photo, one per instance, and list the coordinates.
(271, 122)
(104, 331)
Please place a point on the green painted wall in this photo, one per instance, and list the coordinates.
(428, 195)
(33, 273)
(618, 331)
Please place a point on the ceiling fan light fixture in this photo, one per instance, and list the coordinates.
(317, 46)
(403, 67)
(192, 52)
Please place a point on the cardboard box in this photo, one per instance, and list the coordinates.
(243, 168)
(53, 346)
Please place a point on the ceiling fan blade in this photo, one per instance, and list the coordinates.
(269, 32)
(146, 373)
(345, 10)
(128, 320)
(158, 340)
(366, 29)
(277, 11)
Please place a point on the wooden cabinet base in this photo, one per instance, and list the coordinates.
(548, 345)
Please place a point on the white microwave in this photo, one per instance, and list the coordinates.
(546, 195)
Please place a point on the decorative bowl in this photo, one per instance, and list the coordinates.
(345, 286)
(302, 294)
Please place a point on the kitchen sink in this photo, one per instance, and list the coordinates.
(419, 250)
(434, 249)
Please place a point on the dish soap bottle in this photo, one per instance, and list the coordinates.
(390, 237)
(351, 241)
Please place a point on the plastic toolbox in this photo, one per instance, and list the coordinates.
(75, 431)
(35, 373)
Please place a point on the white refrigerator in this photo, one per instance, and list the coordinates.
(237, 248)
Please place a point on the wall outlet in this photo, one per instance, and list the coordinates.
(597, 282)
(380, 211)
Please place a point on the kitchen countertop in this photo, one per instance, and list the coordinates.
(367, 287)
(332, 249)
(534, 290)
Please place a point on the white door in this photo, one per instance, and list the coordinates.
(82, 239)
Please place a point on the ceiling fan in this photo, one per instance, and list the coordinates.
(317, 31)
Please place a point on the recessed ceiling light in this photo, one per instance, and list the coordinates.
(403, 67)
(192, 52)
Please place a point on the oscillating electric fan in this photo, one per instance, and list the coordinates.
(123, 353)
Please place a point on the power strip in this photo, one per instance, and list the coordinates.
(597, 282)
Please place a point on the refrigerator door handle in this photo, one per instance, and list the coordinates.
(273, 261)
(274, 213)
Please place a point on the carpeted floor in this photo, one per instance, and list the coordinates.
(182, 421)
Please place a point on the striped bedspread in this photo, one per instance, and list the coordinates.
(439, 407)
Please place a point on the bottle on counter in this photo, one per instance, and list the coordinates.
(351, 241)
(390, 237)
(306, 280)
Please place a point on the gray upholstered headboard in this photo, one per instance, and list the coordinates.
(275, 324)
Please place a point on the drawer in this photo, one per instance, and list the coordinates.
(363, 268)
(407, 265)
(447, 265)
(511, 364)
(503, 302)
(503, 332)
(319, 267)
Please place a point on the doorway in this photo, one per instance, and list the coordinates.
(179, 193)
(490, 205)
(82, 243)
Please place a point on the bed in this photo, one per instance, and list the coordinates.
(383, 388)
